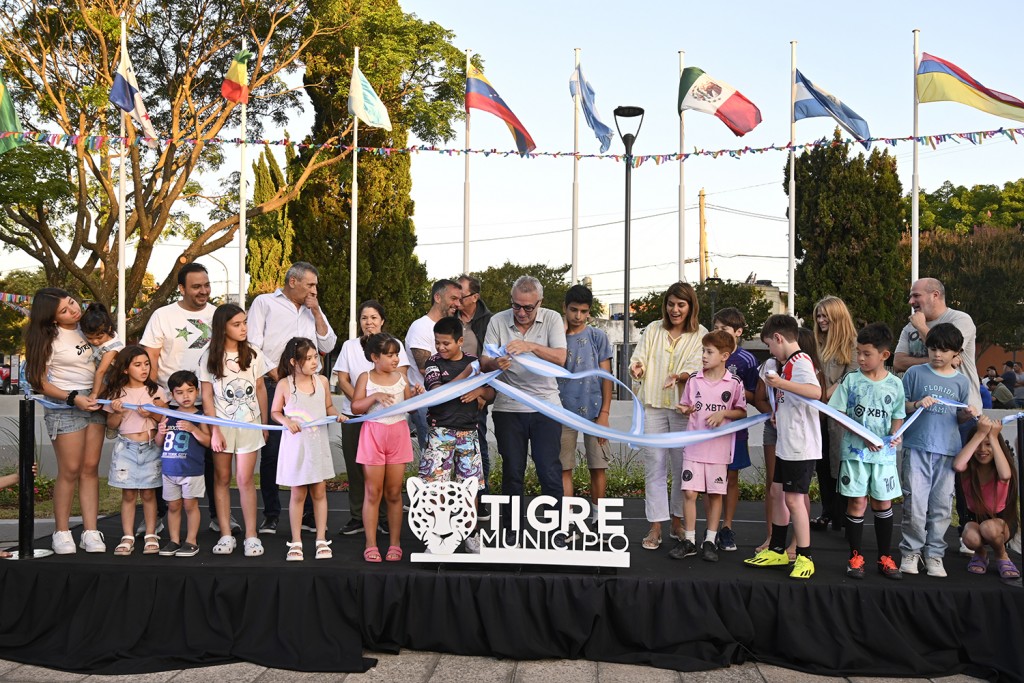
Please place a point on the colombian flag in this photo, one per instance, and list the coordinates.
(236, 84)
(480, 94)
(942, 81)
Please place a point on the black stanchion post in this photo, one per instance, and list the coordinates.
(26, 480)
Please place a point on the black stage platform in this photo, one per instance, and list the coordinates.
(106, 614)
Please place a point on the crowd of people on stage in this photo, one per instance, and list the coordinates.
(250, 369)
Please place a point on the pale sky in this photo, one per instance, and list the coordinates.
(630, 56)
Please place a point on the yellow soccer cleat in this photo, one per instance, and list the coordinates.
(768, 558)
(803, 568)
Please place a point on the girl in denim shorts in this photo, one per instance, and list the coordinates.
(135, 461)
(59, 365)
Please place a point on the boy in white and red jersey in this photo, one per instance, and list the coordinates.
(799, 445)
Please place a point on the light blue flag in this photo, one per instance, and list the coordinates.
(364, 104)
(812, 101)
(578, 82)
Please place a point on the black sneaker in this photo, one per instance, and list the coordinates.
(308, 522)
(708, 552)
(855, 566)
(170, 549)
(352, 527)
(382, 527)
(684, 548)
(187, 550)
(269, 525)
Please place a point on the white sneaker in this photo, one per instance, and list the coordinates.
(92, 542)
(472, 545)
(934, 567)
(964, 550)
(225, 546)
(910, 563)
(252, 547)
(63, 543)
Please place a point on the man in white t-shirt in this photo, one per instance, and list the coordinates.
(175, 336)
(419, 342)
(293, 310)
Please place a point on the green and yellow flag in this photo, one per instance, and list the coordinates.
(9, 123)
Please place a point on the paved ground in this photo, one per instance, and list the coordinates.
(423, 667)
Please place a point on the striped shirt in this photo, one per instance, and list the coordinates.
(662, 357)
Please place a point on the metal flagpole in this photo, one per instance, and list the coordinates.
(242, 286)
(465, 189)
(791, 298)
(353, 326)
(916, 183)
(682, 189)
(122, 213)
(576, 174)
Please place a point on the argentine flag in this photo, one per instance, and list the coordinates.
(812, 101)
(125, 94)
(364, 104)
(587, 97)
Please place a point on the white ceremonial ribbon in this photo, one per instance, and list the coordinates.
(840, 417)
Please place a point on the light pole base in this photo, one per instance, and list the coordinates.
(36, 554)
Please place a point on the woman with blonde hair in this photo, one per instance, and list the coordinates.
(667, 353)
(836, 340)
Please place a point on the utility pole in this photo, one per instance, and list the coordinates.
(703, 255)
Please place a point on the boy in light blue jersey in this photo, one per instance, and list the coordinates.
(929, 446)
(875, 398)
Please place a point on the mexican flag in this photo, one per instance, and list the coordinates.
(9, 122)
(236, 84)
(700, 92)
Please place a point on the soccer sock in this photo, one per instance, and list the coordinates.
(710, 536)
(806, 552)
(690, 536)
(883, 531)
(778, 541)
(855, 533)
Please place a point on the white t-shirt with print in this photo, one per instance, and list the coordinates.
(796, 421)
(181, 336)
(234, 394)
(71, 365)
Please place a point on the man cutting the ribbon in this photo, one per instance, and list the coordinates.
(526, 328)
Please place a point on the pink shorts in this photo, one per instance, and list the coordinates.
(705, 476)
(381, 444)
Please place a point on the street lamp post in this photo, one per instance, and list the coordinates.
(712, 284)
(623, 116)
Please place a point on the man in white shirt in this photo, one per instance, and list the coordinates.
(291, 311)
(175, 336)
(419, 343)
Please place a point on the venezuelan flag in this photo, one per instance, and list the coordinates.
(236, 84)
(942, 81)
(480, 94)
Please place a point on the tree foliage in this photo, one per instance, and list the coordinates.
(981, 272)
(749, 300)
(959, 209)
(496, 285)
(849, 216)
(12, 321)
(59, 61)
(269, 237)
(419, 75)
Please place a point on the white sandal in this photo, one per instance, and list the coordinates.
(252, 547)
(294, 552)
(125, 547)
(225, 546)
(151, 545)
(323, 550)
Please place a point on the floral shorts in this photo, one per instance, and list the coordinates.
(452, 451)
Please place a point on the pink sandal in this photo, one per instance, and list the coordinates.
(394, 554)
(371, 554)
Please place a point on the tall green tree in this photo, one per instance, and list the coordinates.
(12, 321)
(981, 272)
(419, 75)
(960, 209)
(849, 216)
(269, 237)
(59, 58)
(496, 285)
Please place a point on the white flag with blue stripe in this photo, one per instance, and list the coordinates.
(812, 101)
(364, 104)
(578, 83)
(125, 94)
